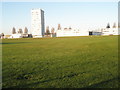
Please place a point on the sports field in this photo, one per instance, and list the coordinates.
(69, 62)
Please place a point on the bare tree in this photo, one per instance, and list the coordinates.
(26, 30)
(20, 31)
(47, 30)
(2, 34)
(59, 27)
(70, 28)
(52, 30)
(13, 31)
(114, 26)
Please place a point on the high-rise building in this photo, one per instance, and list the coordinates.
(37, 22)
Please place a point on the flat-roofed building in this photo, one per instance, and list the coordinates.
(37, 22)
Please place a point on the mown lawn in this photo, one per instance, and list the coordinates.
(69, 62)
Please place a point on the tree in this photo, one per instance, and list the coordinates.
(114, 26)
(52, 30)
(13, 31)
(59, 27)
(26, 30)
(70, 28)
(47, 30)
(20, 31)
(2, 34)
(108, 25)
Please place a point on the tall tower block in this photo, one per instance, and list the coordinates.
(37, 22)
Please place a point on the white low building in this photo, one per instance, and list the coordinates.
(16, 36)
(106, 31)
(71, 32)
(110, 31)
(19, 35)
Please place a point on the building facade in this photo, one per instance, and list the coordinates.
(111, 30)
(70, 32)
(37, 23)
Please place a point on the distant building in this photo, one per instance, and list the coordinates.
(95, 33)
(17, 35)
(7, 36)
(37, 23)
(110, 30)
(70, 32)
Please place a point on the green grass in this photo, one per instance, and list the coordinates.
(69, 62)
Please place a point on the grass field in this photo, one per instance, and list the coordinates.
(69, 62)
